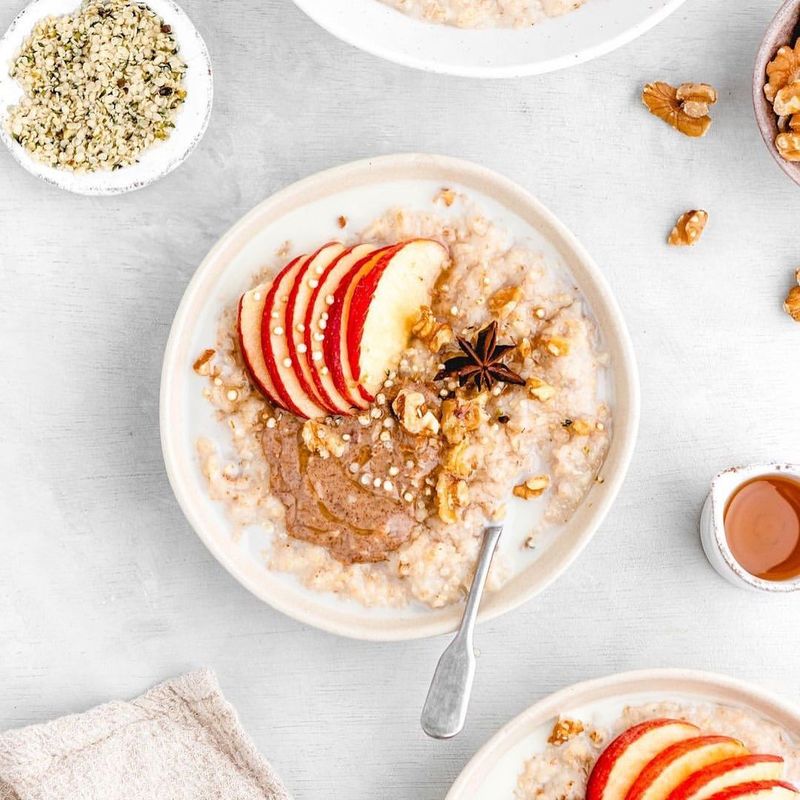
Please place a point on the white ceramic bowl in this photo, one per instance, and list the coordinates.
(156, 161)
(493, 771)
(593, 30)
(306, 213)
(712, 526)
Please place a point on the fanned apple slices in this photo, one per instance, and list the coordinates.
(320, 337)
(667, 759)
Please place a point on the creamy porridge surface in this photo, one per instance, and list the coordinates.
(419, 557)
(485, 13)
(561, 770)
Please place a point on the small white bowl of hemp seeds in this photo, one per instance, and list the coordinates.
(101, 97)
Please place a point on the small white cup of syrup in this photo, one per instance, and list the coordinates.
(750, 527)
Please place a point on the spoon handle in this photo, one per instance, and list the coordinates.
(445, 710)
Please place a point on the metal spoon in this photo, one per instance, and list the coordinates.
(445, 710)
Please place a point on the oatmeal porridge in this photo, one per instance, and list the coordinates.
(485, 13)
(564, 770)
(498, 386)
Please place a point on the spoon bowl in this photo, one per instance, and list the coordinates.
(784, 29)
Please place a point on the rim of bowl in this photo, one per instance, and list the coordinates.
(375, 170)
(569, 59)
(703, 684)
(719, 501)
(765, 115)
(100, 189)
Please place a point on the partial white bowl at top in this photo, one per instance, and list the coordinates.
(156, 161)
(306, 214)
(595, 29)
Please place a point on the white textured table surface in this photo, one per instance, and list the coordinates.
(104, 589)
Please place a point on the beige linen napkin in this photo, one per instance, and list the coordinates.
(179, 741)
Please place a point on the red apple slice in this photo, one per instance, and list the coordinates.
(305, 282)
(622, 761)
(671, 767)
(730, 772)
(384, 306)
(758, 790)
(251, 314)
(335, 343)
(275, 347)
(316, 326)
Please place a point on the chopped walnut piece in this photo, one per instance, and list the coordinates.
(580, 427)
(452, 493)
(695, 98)
(596, 737)
(564, 730)
(787, 101)
(201, 365)
(688, 229)
(788, 145)
(428, 329)
(503, 302)
(524, 347)
(782, 70)
(412, 411)
(539, 389)
(792, 303)
(460, 460)
(555, 345)
(533, 487)
(446, 196)
(322, 440)
(662, 101)
(460, 417)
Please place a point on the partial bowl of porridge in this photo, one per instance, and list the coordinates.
(374, 364)
(650, 735)
(101, 97)
(488, 38)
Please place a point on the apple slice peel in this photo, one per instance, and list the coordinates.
(758, 790)
(316, 325)
(730, 772)
(306, 281)
(672, 766)
(384, 307)
(621, 762)
(250, 318)
(276, 349)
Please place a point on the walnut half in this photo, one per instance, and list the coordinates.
(782, 70)
(792, 303)
(688, 229)
(695, 98)
(533, 487)
(687, 113)
(788, 145)
(429, 330)
(412, 411)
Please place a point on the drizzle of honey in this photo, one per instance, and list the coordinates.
(762, 525)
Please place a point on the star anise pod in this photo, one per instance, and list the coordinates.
(480, 362)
